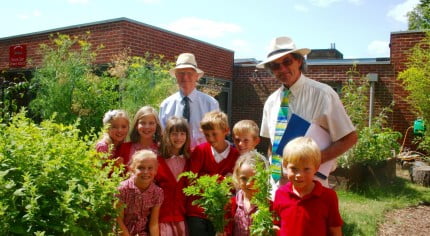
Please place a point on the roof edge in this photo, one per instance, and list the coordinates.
(106, 22)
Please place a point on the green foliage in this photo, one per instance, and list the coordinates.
(416, 80)
(66, 84)
(52, 181)
(375, 143)
(9, 93)
(142, 80)
(213, 195)
(355, 98)
(262, 220)
(419, 17)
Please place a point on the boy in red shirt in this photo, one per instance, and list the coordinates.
(304, 206)
(216, 156)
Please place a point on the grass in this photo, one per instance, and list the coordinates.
(362, 210)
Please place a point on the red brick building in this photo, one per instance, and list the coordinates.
(245, 88)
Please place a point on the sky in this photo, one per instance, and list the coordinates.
(357, 28)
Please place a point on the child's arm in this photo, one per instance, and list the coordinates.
(120, 220)
(335, 231)
(154, 229)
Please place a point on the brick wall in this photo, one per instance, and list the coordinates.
(115, 35)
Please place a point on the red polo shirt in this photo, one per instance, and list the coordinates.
(311, 215)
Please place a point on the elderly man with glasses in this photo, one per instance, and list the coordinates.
(313, 101)
(188, 102)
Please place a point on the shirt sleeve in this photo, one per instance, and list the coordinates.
(264, 130)
(338, 122)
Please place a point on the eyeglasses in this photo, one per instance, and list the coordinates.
(181, 74)
(276, 66)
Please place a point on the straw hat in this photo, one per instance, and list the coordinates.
(186, 60)
(280, 47)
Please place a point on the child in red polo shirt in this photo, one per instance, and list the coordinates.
(216, 156)
(303, 205)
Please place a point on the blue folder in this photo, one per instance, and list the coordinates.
(297, 127)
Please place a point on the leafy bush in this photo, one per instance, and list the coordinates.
(213, 196)
(142, 80)
(67, 85)
(52, 181)
(10, 92)
(416, 79)
(262, 220)
(375, 143)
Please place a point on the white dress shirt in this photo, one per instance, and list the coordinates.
(200, 103)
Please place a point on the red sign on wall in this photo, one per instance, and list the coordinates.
(17, 56)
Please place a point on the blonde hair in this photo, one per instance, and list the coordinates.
(214, 120)
(142, 155)
(246, 126)
(301, 149)
(108, 118)
(251, 158)
(175, 124)
(145, 111)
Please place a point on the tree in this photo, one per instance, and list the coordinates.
(416, 79)
(419, 17)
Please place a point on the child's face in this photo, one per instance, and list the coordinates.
(216, 138)
(301, 175)
(245, 142)
(246, 183)
(118, 129)
(177, 139)
(145, 171)
(146, 126)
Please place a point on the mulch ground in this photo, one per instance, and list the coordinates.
(408, 221)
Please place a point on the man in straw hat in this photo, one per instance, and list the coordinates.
(315, 102)
(188, 102)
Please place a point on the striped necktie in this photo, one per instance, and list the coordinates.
(281, 125)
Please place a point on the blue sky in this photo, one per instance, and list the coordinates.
(359, 28)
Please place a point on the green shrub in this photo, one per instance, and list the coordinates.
(375, 143)
(52, 181)
(416, 80)
(262, 219)
(142, 80)
(213, 196)
(66, 83)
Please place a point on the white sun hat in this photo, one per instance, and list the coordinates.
(280, 47)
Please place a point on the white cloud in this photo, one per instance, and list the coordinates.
(196, 27)
(399, 11)
(241, 46)
(78, 1)
(301, 8)
(28, 15)
(323, 3)
(378, 48)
